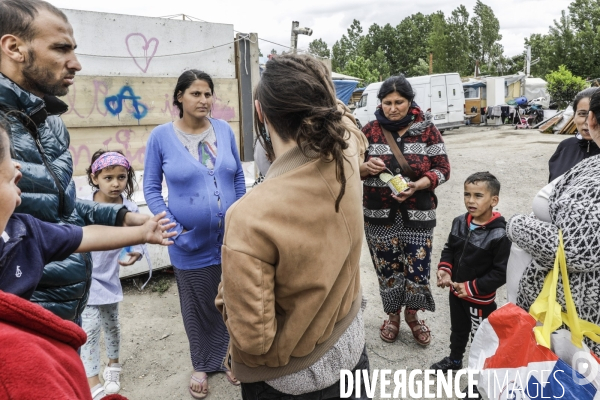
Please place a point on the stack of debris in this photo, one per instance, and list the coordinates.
(562, 123)
(548, 125)
(569, 128)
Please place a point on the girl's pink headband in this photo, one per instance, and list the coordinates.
(110, 159)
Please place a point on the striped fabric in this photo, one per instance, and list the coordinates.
(203, 323)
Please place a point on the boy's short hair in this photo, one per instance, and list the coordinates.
(493, 184)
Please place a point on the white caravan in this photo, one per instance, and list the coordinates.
(441, 94)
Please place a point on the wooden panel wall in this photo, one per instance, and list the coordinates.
(118, 113)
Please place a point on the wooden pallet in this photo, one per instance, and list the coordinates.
(570, 128)
(546, 127)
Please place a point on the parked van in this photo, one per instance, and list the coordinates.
(441, 94)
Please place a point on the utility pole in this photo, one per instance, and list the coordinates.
(430, 63)
(528, 61)
(298, 31)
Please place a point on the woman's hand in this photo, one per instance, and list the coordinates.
(421, 184)
(412, 188)
(372, 167)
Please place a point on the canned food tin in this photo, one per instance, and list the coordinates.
(397, 183)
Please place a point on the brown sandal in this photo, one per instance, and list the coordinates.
(418, 329)
(391, 328)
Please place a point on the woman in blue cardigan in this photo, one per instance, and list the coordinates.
(198, 157)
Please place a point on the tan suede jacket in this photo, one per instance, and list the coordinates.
(291, 278)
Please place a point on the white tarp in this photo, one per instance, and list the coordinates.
(536, 88)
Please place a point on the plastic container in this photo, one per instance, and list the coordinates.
(124, 254)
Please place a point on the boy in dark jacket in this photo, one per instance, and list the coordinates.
(473, 264)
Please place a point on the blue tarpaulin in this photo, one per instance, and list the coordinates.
(344, 89)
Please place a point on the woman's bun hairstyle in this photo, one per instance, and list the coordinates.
(297, 98)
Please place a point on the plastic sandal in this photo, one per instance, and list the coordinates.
(418, 328)
(198, 395)
(391, 329)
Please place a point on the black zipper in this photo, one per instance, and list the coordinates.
(61, 192)
(589, 141)
(463, 253)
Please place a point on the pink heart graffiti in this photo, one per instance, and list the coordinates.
(146, 46)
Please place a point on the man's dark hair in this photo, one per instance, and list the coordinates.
(16, 17)
(493, 184)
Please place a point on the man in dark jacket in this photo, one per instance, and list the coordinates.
(473, 264)
(38, 63)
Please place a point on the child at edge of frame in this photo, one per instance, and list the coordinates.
(113, 181)
(39, 338)
(473, 264)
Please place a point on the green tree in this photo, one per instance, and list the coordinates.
(420, 68)
(514, 64)
(457, 40)
(362, 68)
(273, 51)
(484, 32)
(347, 47)
(413, 33)
(582, 11)
(439, 43)
(563, 86)
(319, 48)
(380, 63)
(382, 41)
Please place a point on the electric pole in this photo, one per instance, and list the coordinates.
(298, 31)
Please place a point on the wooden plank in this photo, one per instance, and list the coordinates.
(547, 126)
(103, 101)
(130, 139)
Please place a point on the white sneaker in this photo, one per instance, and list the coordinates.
(98, 392)
(111, 376)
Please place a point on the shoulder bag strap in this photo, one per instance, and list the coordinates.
(406, 169)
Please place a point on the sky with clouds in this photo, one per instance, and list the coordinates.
(329, 19)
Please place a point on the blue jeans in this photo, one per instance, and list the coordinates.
(262, 391)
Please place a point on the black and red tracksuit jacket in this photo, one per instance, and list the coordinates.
(477, 257)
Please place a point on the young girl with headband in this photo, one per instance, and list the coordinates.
(113, 180)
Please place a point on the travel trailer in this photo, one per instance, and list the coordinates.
(441, 94)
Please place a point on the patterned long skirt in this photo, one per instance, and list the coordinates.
(402, 259)
(203, 323)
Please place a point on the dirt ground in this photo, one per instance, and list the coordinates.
(155, 352)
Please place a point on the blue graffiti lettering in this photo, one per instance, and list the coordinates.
(114, 104)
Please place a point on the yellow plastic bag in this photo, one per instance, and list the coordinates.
(548, 311)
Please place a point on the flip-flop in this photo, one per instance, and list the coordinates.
(198, 395)
(231, 380)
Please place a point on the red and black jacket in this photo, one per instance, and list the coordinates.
(424, 149)
(477, 257)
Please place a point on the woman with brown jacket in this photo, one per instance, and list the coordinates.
(290, 293)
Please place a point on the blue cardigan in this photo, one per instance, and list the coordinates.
(193, 192)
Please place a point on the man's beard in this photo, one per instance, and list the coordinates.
(42, 79)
